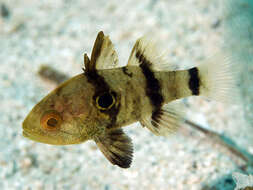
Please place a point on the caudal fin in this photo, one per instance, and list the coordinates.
(218, 78)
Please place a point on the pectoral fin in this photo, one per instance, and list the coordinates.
(117, 147)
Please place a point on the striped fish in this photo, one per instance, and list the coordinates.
(96, 104)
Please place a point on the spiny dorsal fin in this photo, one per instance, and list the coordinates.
(164, 121)
(103, 55)
(149, 50)
(117, 147)
(86, 62)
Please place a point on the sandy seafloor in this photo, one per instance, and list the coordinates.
(58, 33)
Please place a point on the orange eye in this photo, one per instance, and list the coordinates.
(51, 121)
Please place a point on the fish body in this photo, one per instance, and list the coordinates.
(96, 104)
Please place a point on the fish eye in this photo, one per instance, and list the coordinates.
(51, 121)
(105, 101)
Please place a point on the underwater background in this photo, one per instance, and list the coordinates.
(57, 33)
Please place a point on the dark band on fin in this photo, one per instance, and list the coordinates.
(117, 147)
(96, 51)
(155, 118)
(194, 81)
(153, 87)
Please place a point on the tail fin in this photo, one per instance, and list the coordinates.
(218, 78)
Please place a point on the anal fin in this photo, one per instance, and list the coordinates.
(164, 121)
(117, 147)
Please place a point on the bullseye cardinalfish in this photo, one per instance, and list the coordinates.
(97, 103)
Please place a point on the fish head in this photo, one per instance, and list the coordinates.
(59, 118)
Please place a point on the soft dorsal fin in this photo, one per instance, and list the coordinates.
(103, 55)
(164, 121)
(145, 49)
(117, 147)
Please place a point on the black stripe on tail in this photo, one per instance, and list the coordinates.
(194, 81)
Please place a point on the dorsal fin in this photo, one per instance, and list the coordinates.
(103, 55)
(149, 50)
(165, 120)
(117, 147)
(87, 62)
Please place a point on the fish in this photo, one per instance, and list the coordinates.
(96, 104)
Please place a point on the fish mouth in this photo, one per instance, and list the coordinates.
(28, 135)
(46, 140)
(32, 137)
(25, 134)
